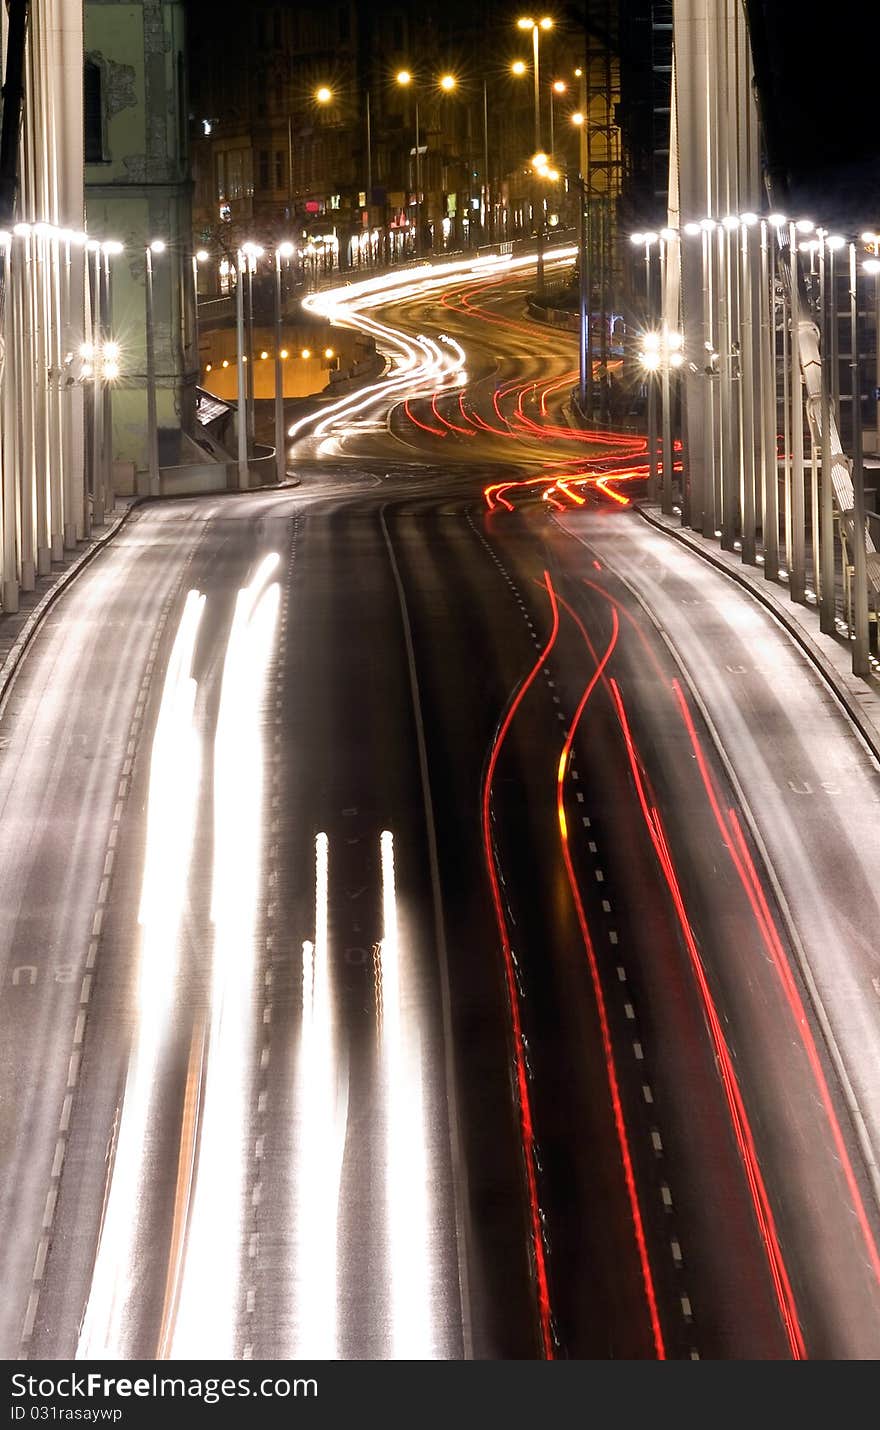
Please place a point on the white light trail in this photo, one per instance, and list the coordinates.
(322, 1110)
(207, 1319)
(410, 1220)
(418, 364)
(171, 810)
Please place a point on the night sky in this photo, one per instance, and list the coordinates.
(824, 125)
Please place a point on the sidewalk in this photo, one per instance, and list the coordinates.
(830, 654)
(17, 630)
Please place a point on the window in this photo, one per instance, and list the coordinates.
(263, 181)
(93, 113)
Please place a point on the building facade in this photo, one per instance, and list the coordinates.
(138, 186)
(303, 127)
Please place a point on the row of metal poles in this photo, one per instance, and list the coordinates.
(761, 364)
(55, 445)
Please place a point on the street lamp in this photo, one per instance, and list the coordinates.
(284, 250)
(156, 247)
(404, 78)
(861, 663)
(252, 252)
(201, 255)
(241, 265)
(557, 87)
(536, 26)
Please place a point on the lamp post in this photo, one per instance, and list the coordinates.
(872, 266)
(557, 87)
(284, 250)
(201, 255)
(649, 239)
(404, 78)
(241, 264)
(488, 223)
(861, 660)
(156, 247)
(252, 252)
(536, 26)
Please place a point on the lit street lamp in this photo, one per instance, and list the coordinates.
(861, 653)
(156, 247)
(241, 265)
(536, 26)
(201, 255)
(404, 78)
(284, 250)
(557, 87)
(252, 252)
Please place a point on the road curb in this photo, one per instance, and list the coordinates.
(17, 651)
(767, 598)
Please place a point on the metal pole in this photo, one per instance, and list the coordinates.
(488, 212)
(280, 458)
(369, 158)
(770, 515)
(827, 592)
(538, 207)
(107, 455)
(584, 364)
(290, 165)
(665, 392)
(152, 417)
(729, 464)
(652, 387)
(704, 512)
(240, 373)
(797, 577)
(747, 400)
(251, 407)
(834, 346)
(98, 508)
(418, 189)
(861, 663)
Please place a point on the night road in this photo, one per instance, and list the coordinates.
(411, 947)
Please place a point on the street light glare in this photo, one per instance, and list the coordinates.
(559, 86)
(577, 118)
(518, 67)
(112, 246)
(158, 245)
(323, 94)
(546, 23)
(285, 250)
(448, 82)
(805, 225)
(404, 77)
(202, 255)
(526, 24)
(871, 265)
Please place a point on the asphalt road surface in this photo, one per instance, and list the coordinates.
(416, 938)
